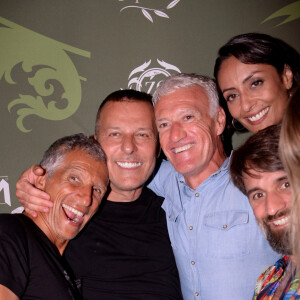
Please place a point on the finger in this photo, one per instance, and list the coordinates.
(25, 190)
(37, 170)
(35, 204)
(31, 212)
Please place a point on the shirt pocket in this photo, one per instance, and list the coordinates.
(227, 233)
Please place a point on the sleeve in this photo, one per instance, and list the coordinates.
(13, 256)
(158, 182)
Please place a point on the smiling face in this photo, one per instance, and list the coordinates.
(269, 194)
(76, 189)
(256, 94)
(128, 137)
(188, 135)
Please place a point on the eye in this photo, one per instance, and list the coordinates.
(256, 83)
(143, 135)
(74, 178)
(97, 190)
(188, 117)
(258, 196)
(114, 134)
(285, 185)
(163, 125)
(231, 97)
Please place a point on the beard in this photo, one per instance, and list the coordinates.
(279, 239)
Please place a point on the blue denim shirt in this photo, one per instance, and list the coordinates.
(219, 249)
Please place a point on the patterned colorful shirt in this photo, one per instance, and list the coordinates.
(268, 282)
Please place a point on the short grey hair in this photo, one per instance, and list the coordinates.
(183, 80)
(53, 157)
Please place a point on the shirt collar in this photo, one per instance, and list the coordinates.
(224, 168)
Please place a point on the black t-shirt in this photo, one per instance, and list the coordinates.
(125, 252)
(30, 265)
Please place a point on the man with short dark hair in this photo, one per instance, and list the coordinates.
(256, 169)
(31, 265)
(125, 252)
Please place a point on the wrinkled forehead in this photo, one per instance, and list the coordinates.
(192, 97)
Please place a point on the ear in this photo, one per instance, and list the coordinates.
(41, 182)
(287, 77)
(220, 119)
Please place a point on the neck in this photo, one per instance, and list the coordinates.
(194, 180)
(41, 222)
(117, 195)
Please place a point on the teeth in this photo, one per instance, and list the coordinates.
(183, 148)
(73, 210)
(282, 221)
(259, 115)
(129, 165)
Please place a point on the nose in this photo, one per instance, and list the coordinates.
(177, 132)
(86, 196)
(247, 102)
(128, 144)
(275, 202)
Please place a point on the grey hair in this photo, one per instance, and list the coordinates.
(55, 154)
(183, 80)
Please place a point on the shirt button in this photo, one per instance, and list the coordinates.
(197, 194)
(196, 294)
(190, 227)
(192, 262)
(181, 181)
(224, 226)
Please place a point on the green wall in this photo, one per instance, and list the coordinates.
(60, 58)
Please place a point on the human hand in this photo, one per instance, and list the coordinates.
(32, 198)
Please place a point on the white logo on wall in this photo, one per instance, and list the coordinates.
(5, 195)
(150, 12)
(148, 79)
(4, 186)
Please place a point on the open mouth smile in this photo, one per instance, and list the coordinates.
(183, 148)
(259, 115)
(129, 165)
(72, 214)
(281, 222)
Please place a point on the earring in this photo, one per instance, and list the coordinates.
(237, 125)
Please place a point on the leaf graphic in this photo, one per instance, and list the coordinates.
(292, 11)
(140, 68)
(172, 4)
(147, 15)
(168, 66)
(161, 14)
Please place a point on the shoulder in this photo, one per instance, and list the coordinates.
(165, 173)
(15, 227)
(11, 222)
(166, 167)
(151, 196)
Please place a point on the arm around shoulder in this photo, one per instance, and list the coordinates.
(32, 198)
(157, 185)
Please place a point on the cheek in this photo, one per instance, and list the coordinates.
(259, 211)
(163, 140)
(234, 109)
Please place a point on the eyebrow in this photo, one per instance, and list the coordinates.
(243, 82)
(99, 185)
(253, 190)
(257, 188)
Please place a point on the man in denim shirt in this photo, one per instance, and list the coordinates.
(218, 247)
